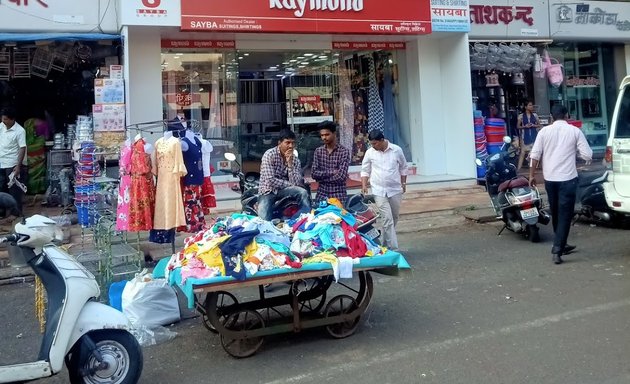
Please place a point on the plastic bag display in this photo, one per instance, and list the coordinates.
(553, 71)
(150, 302)
(152, 336)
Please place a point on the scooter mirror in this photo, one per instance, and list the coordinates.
(478, 162)
(507, 139)
(229, 156)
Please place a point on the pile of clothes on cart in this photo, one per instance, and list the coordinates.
(241, 245)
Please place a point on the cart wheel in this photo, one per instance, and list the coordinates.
(224, 299)
(314, 304)
(339, 306)
(243, 321)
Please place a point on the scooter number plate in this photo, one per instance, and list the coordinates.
(529, 213)
(373, 233)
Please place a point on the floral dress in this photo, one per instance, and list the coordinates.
(192, 187)
(124, 195)
(142, 201)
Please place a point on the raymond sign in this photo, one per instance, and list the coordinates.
(376, 17)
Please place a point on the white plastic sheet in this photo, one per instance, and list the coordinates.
(150, 302)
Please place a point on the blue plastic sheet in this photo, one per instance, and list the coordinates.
(389, 260)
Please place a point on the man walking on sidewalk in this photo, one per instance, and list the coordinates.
(557, 145)
(385, 166)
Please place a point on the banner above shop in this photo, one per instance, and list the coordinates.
(217, 44)
(520, 20)
(450, 16)
(159, 13)
(369, 45)
(591, 20)
(397, 17)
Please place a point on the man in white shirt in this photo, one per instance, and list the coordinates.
(385, 166)
(558, 145)
(12, 157)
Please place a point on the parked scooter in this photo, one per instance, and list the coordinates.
(517, 204)
(590, 201)
(91, 337)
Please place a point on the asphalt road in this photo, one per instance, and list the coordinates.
(477, 309)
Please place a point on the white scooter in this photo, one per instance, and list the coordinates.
(91, 337)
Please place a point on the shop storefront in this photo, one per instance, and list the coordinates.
(51, 52)
(241, 87)
(589, 42)
(506, 41)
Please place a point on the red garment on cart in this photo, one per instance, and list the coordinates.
(355, 245)
(142, 192)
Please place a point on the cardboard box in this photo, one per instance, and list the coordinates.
(109, 91)
(108, 117)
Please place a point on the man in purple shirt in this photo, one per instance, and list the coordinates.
(281, 176)
(557, 145)
(330, 165)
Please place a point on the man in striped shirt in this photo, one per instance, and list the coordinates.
(330, 165)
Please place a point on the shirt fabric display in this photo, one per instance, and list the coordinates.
(376, 118)
(346, 120)
(330, 170)
(169, 168)
(124, 188)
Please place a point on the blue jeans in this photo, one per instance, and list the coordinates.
(561, 195)
(266, 201)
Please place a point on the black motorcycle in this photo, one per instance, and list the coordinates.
(590, 201)
(517, 204)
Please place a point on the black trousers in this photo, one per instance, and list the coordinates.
(561, 195)
(14, 191)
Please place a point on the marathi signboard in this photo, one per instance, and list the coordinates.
(450, 16)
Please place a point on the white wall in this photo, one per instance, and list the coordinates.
(628, 59)
(98, 16)
(440, 106)
(143, 74)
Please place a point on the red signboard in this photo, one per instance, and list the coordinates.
(183, 99)
(395, 17)
(313, 100)
(353, 45)
(231, 44)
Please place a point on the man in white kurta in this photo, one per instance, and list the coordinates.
(385, 168)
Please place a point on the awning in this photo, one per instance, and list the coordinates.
(22, 37)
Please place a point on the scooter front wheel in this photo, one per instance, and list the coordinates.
(121, 359)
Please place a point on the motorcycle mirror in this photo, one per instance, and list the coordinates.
(229, 156)
(478, 162)
(507, 139)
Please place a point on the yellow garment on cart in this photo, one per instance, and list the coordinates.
(207, 245)
(210, 253)
(325, 257)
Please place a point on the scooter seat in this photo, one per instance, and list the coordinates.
(513, 183)
(586, 178)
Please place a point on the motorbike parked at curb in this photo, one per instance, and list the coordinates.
(518, 205)
(590, 201)
(92, 338)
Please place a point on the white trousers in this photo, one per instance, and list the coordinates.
(389, 209)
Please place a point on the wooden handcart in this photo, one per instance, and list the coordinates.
(243, 326)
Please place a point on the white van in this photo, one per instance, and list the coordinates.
(617, 187)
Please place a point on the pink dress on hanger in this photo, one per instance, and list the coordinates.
(124, 189)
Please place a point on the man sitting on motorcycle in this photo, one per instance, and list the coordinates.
(281, 176)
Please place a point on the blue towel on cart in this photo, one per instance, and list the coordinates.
(389, 260)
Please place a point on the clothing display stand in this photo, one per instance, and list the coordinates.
(104, 251)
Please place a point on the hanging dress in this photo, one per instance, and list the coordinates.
(142, 201)
(208, 199)
(191, 187)
(169, 168)
(124, 195)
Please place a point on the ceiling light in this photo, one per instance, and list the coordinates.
(323, 57)
(293, 61)
(301, 66)
(336, 54)
(309, 54)
(304, 63)
(286, 63)
(273, 68)
(279, 75)
(245, 54)
(240, 57)
(300, 57)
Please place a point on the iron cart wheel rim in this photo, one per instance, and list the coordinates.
(224, 300)
(342, 305)
(313, 298)
(243, 321)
